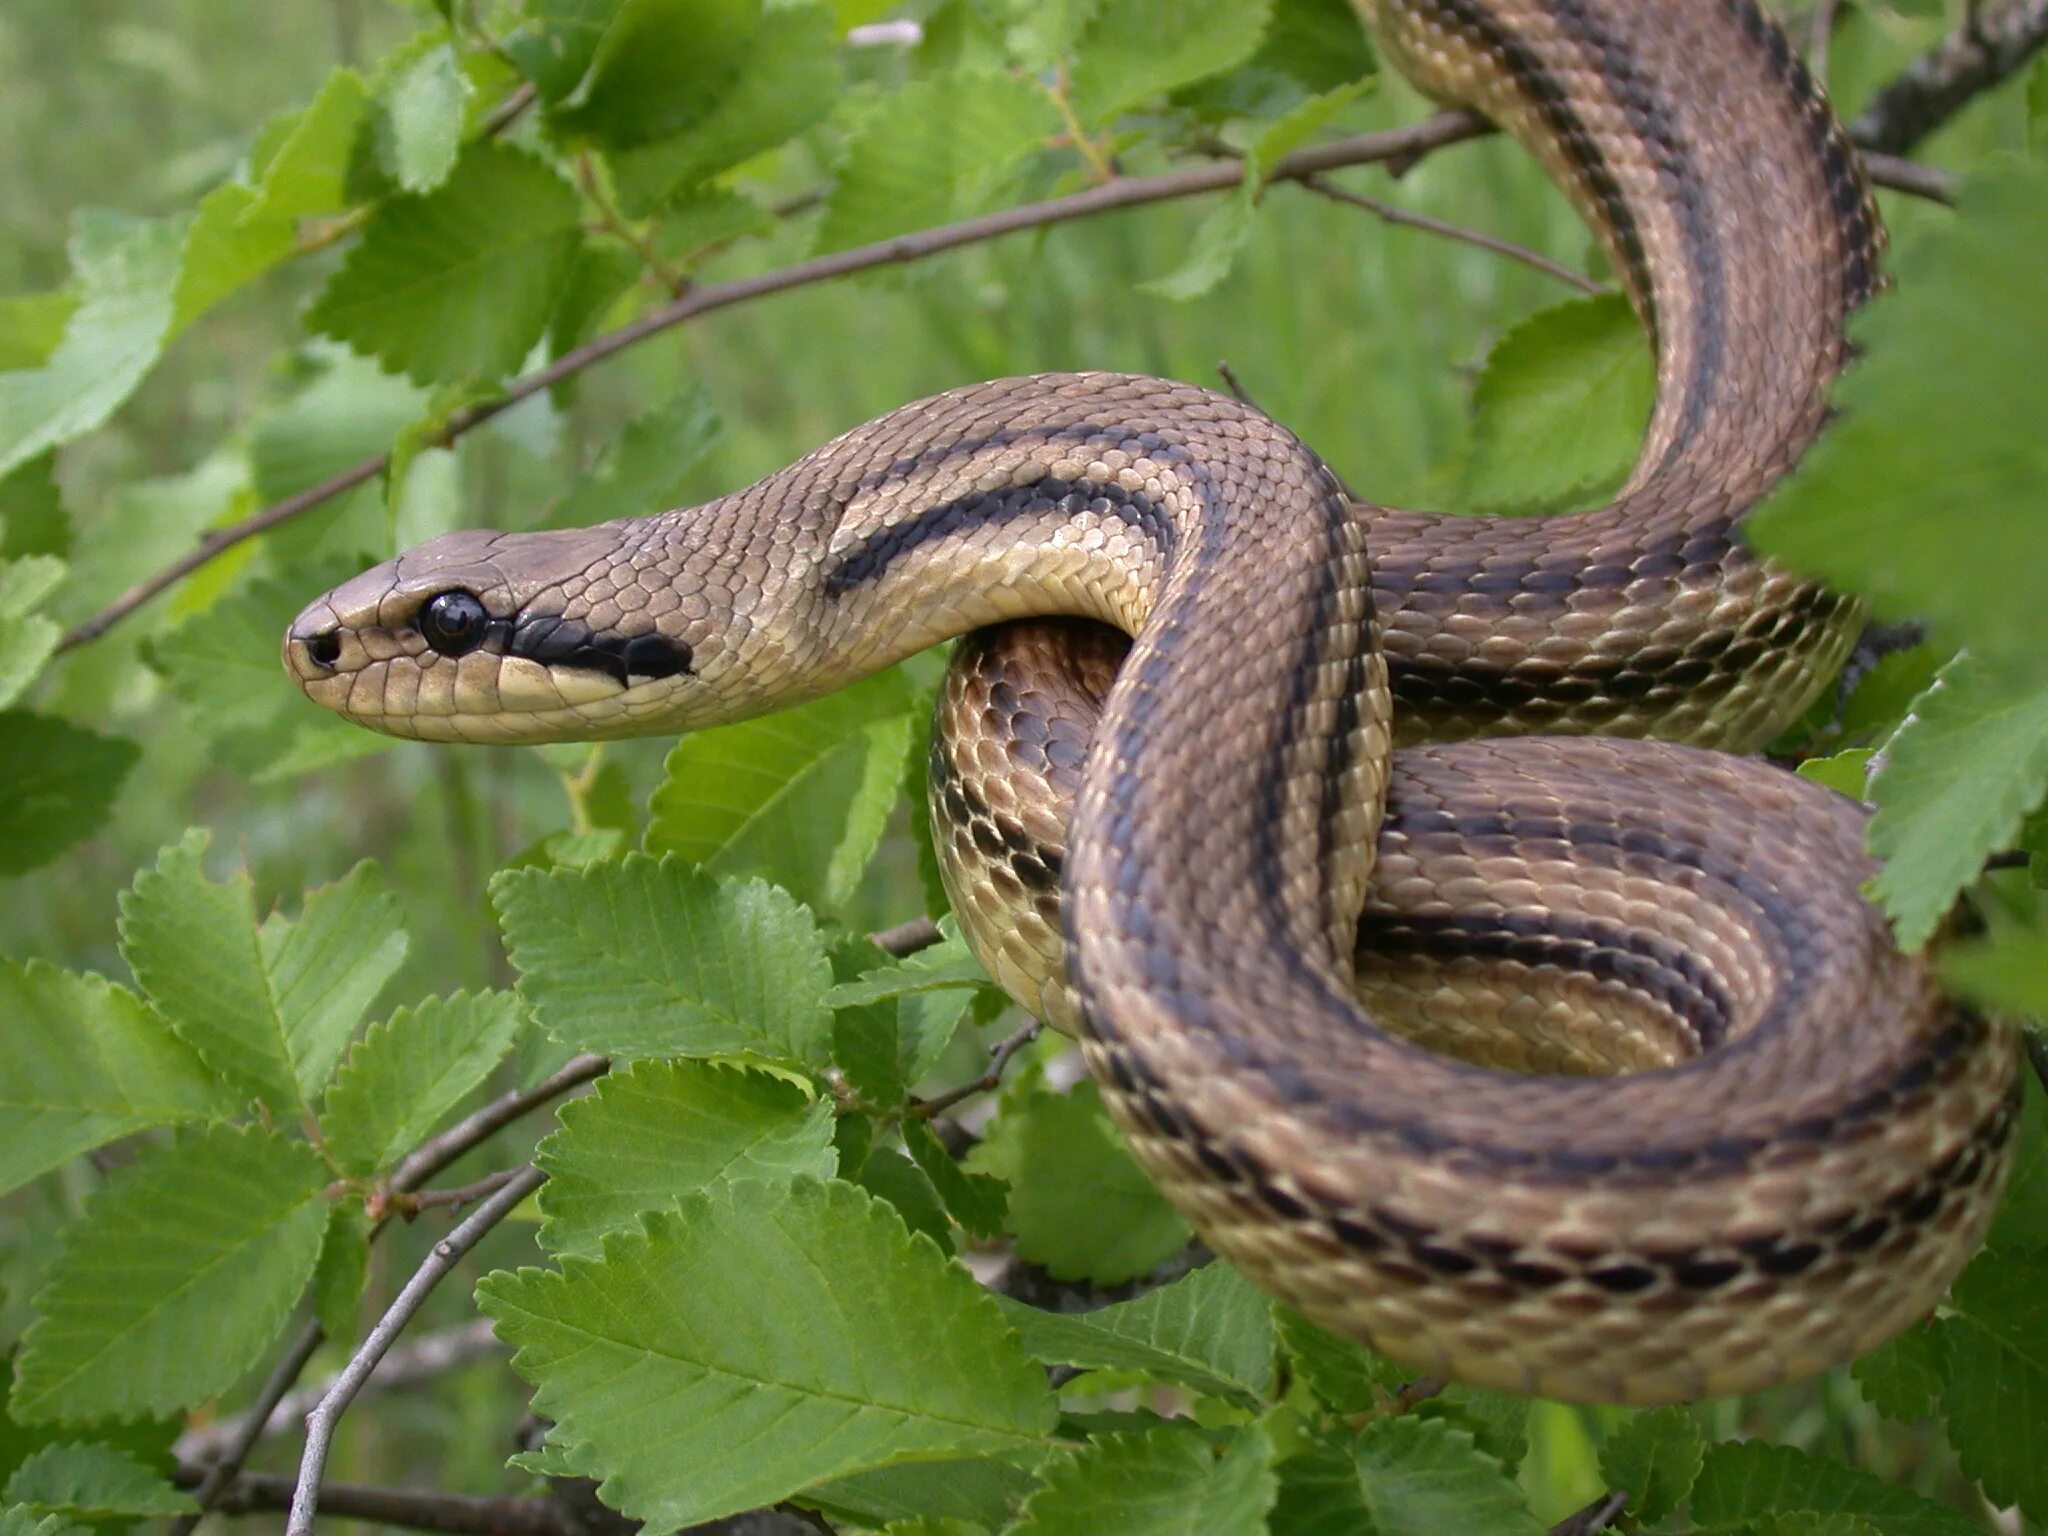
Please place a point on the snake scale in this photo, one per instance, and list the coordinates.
(1557, 1062)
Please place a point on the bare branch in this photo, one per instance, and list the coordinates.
(1597, 1516)
(998, 1058)
(322, 1421)
(246, 1431)
(906, 938)
(436, 1153)
(453, 1514)
(1986, 51)
(1910, 177)
(1392, 214)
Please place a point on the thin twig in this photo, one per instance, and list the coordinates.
(906, 938)
(322, 1421)
(1323, 186)
(508, 110)
(1820, 36)
(1125, 192)
(455, 1199)
(452, 1514)
(1989, 49)
(1911, 177)
(1595, 1517)
(998, 1058)
(249, 1429)
(437, 1152)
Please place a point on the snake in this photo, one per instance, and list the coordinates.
(1437, 945)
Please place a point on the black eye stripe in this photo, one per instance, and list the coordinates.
(561, 642)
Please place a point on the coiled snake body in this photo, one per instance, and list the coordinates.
(1807, 1139)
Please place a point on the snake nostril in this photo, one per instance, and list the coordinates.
(324, 649)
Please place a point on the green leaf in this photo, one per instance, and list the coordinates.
(347, 413)
(1846, 773)
(221, 664)
(92, 1480)
(1997, 1388)
(1743, 1483)
(31, 325)
(1131, 50)
(787, 80)
(979, 1490)
(343, 1271)
(82, 1062)
(1944, 398)
(1160, 1482)
(1348, 1378)
(1558, 414)
(1312, 46)
(1210, 1331)
(1902, 1380)
(211, 1237)
(553, 47)
(123, 272)
(1079, 1204)
(646, 469)
(659, 67)
(942, 967)
(1402, 1476)
(404, 1076)
(891, 1176)
(57, 784)
(2009, 973)
(460, 282)
(800, 797)
(672, 1373)
(269, 1008)
(423, 119)
(2022, 1220)
(649, 957)
(1958, 780)
(975, 1200)
(1656, 1456)
(32, 517)
(20, 1520)
(665, 1129)
(2037, 107)
(1218, 240)
(27, 639)
(932, 152)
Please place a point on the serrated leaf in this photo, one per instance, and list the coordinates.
(657, 68)
(405, 1075)
(460, 282)
(646, 468)
(270, 1008)
(1558, 413)
(1312, 46)
(32, 516)
(2022, 1219)
(82, 1062)
(648, 957)
(1348, 1378)
(1218, 240)
(942, 967)
(27, 639)
(1959, 777)
(92, 1480)
(342, 1272)
(424, 109)
(788, 78)
(553, 47)
(1902, 1379)
(1209, 1330)
(1134, 49)
(980, 1490)
(123, 271)
(20, 1520)
(1743, 1483)
(891, 1176)
(664, 1129)
(800, 797)
(57, 785)
(1401, 1476)
(976, 1200)
(1079, 1204)
(1944, 398)
(1997, 1384)
(931, 152)
(1655, 1456)
(672, 1373)
(211, 1237)
(1160, 1482)
(221, 664)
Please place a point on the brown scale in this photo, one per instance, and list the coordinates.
(1566, 1064)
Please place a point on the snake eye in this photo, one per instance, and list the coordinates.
(454, 623)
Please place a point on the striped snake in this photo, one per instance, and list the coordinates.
(1565, 1064)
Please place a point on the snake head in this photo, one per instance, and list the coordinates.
(524, 637)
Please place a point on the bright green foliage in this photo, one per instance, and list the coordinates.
(57, 784)
(1558, 414)
(211, 1237)
(1958, 779)
(405, 1075)
(803, 793)
(26, 637)
(1400, 1477)
(942, 967)
(935, 151)
(124, 270)
(648, 957)
(1741, 1484)
(32, 516)
(671, 1372)
(423, 118)
(1903, 1379)
(20, 1520)
(82, 1062)
(89, 1480)
(1134, 49)
(665, 1129)
(1655, 1456)
(976, 1200)
(1347, 1378)
(980, 1490)
(2011, 974)
(646, 468)
(342, 1271)
(1079, 1204)
(1162, 1482)
(270, 1006)
(1997, 1395)
(2022, 1221)
(459, 282)
(1210, 1331)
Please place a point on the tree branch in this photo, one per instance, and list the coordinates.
(1985, 52)
(1393, 214)
(241, 1439)
(454, 1514)
(326, 1415)
(437, 1152)
(1597, 1516)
